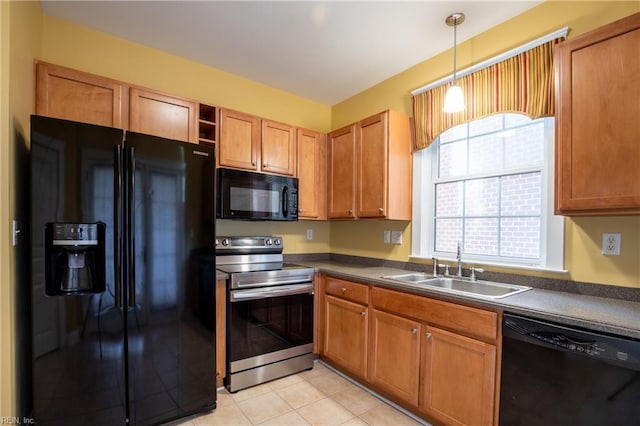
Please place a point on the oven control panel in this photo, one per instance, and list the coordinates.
(248, 245)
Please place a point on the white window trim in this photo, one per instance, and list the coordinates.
(552, 226)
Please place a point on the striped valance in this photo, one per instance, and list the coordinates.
(522, 83)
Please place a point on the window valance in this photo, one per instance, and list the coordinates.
(521, 83)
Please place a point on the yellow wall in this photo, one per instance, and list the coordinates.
(79, 47)
(583, 256)
(20, 42)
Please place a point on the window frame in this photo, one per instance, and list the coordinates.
(425, 178)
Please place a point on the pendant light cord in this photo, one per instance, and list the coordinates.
(455, 29)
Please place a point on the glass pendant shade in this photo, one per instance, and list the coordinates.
(453, 99)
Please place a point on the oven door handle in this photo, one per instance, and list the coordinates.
(266, 292)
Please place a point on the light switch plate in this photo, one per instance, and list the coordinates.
(309, 234)
(396, 237)
(387, 237)
(611, 244)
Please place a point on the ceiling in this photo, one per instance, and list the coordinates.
(324, 51)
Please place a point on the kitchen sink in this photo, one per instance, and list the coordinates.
(411, 277)
(459, 285)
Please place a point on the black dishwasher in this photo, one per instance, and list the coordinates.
(557, 375)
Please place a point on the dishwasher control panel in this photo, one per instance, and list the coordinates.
(605, 347)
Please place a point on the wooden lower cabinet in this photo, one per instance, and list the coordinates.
(457, 378)
(346, 326)
(395, 355)
(438, 359)
(221, 331)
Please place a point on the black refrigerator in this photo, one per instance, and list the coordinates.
(120, 313)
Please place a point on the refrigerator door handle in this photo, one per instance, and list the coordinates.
(131, 264)
(117, 221)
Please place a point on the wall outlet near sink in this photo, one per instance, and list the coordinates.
(611, 244)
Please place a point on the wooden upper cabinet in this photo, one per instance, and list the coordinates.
(384, 167)
(250, 143)
(312, 162)
(598, 121)
(278, 148)
(78, 96)
(239, 140)
(372, 166)
(341, 173)
(381, 186)
(75, 95)
(157, 114)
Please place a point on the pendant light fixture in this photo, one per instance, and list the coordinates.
(454, 99)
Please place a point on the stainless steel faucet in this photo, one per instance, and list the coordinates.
(459, 258)
(435, 266)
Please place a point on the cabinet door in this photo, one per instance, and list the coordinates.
(221, 331)
(74, 95)
(597, 125)
(342, 173)
(278, 148)
(395, 355)
(164, 116)
(312, 162)
(239, 140)
(345, 335)
(457, 378)
(372, 166)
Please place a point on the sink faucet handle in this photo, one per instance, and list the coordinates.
(473, 272)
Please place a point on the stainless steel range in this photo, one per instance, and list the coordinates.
(269, 311)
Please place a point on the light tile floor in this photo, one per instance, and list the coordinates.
(315, 397)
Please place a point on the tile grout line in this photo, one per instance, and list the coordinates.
(325, 396)
(375, 394)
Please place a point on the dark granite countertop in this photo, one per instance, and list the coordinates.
(592, 312)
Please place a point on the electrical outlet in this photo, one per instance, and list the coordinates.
(387, 237)
(309, 234)
(396, 237)
(611, 244)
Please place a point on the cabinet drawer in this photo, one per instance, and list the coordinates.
(466, 320)
(355, 292)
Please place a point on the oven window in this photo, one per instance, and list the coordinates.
(258, 327)
(254, 199)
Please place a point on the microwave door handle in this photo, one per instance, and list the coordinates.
(285, 201)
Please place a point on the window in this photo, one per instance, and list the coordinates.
(488, 185)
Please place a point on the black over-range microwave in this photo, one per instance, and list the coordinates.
(256, 196)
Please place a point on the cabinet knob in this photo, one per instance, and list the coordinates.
(414, 330)
(363, 313)
(380, 210)
(253, 163)
(428, 335)
(350, 212)
(264, 165)
(299, 210)
(344, 290)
